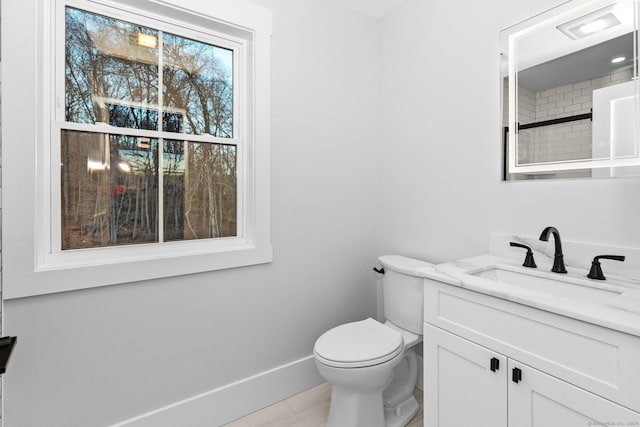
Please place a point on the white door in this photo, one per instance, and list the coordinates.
(540, 400)
(613, 130)
(464, 384)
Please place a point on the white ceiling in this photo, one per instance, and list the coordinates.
(580, 66)
(375, 9)
(547, 58)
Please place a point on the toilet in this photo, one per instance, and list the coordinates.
(371, 366)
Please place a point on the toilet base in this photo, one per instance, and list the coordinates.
(348, 409)
(402, 414)
(400, 405)
(357, 393)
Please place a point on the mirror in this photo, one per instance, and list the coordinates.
(570, 105)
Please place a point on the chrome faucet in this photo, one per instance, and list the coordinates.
(558, 257)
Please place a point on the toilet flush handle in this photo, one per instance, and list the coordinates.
(380, 271)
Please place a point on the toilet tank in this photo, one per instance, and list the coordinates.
(403, 291)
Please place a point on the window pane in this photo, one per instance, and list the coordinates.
(198, 87)
(109, 190)
(111, 71)
(199, 190)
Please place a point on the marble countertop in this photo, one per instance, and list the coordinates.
(620, 310)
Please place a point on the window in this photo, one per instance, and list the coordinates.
(159, 184)
(151, 143)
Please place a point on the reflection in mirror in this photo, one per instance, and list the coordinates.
(570, 103)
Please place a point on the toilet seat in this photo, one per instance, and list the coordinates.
(358, 345)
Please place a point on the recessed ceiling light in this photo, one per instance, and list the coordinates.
(590, 23)
(594, 26)
(618, 59)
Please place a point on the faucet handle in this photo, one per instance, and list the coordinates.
(528, 259)
(596, 269)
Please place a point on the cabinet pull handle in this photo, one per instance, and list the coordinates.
(495, 364)
(516, 375)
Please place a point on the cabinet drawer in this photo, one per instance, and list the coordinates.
(597, 359)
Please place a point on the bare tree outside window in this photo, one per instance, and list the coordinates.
(111, 191)
(197, 81)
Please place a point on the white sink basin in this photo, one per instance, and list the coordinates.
(613, 303)
(556, 284)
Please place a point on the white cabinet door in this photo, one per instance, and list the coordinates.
(540, 400)
(460, 387)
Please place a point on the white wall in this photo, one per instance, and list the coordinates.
(96, 357)
(100, 356)
(441, 142)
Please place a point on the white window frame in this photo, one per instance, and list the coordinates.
(43, 267)
(51, 252)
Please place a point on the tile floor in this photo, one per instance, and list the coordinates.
(307, 409)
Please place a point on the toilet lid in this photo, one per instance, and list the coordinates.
(358, 344)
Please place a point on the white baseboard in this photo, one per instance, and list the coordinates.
(232, 401)
(420, 381)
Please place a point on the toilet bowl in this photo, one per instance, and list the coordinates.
(372, 374)
(372, 366)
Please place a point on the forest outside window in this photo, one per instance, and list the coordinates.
(149, 145)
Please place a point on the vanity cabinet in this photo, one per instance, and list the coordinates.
(467, 384)
(460, 388)
(540, 400)
(495, 363)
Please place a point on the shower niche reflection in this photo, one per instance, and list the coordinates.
(570, 93)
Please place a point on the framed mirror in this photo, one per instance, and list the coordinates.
(570, 105)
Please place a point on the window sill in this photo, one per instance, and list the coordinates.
(20, 284)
